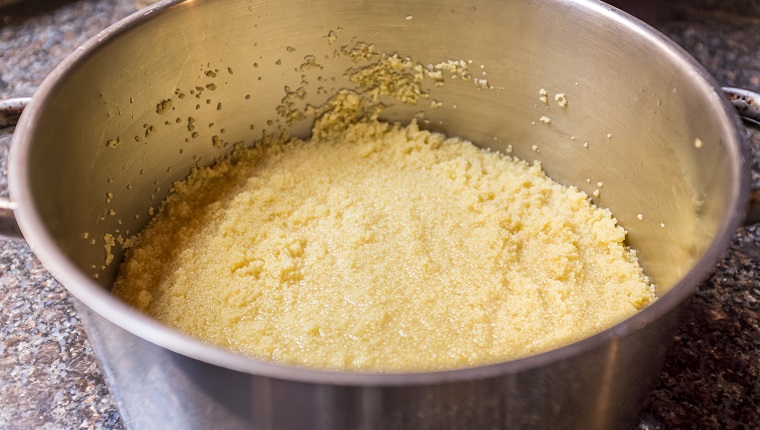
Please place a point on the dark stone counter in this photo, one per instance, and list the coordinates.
(50, 379)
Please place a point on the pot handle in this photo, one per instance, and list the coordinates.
(10, 111)
(747, 104)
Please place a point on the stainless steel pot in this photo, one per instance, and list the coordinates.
(99, 145)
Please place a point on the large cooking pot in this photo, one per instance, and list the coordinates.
(99, 145)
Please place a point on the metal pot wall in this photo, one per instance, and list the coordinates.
(99, 145)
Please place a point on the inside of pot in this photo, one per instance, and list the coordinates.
(642, 132)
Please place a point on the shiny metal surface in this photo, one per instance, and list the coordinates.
(95, 150)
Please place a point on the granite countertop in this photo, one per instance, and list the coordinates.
(50, 379)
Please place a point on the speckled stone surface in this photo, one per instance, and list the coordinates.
(49, 378)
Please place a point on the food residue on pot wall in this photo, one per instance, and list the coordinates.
(377, 77)
(380, 247)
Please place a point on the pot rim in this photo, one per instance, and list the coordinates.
(83, 287)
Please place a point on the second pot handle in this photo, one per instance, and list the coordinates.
(747, 104)
(10, 111)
